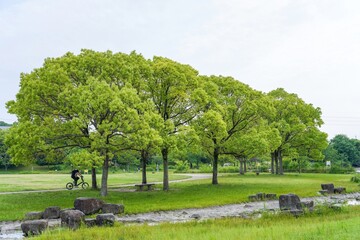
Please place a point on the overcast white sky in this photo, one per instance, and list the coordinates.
(307, 47)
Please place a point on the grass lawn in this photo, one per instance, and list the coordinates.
(232, 188)
(324, 224)
(26, 182)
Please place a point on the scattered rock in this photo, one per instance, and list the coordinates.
(88, 205)
(34, 215)
(105, 219)
(34, 227)
(72, 219)
(90, 222)
(253, 198)
(340, 190)
(270, 196)
(260, 196)
(324, 192)
(247, 206)
(196, 216)
(328, 186)
(289, 202)
(112, 208)
(51, 213)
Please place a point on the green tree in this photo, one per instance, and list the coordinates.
(176, 92)
(4, 157)
(298, 124)
(234, 117)
(347, 150)
(84, 101)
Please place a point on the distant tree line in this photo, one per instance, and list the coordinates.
(92, 108)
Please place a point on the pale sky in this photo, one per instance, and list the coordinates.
(307, 47)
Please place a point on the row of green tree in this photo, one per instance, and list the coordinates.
(90, 108)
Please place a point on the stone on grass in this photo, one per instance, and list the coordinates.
(270, 196)
(253, 198)
(112, 208)
(34, 215)
(339, 190)
(52, 213)
(323, 192)
(72, 219)
(105, 219)
(33, 227)
(90, 222)
(88, 205)
(307, 204)
(260, 196)
(328, 186)
(289, 202)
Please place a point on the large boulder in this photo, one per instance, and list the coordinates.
(112, 208)
(105, 219)
(34, 227)
(289, 202)
(51, 213)
(88, 205)
(329, 187)
(72, 218)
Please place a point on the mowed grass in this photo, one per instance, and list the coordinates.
(192, 194)
(326, 224)
(27, 182)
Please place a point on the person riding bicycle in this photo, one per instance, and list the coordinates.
(76, 175)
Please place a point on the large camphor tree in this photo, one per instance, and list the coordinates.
(298, 124)
(234, 116)
(86, 101)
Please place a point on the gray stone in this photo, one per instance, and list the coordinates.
(112, 208)
(307, 204)
(105, 219)
(72, 218)
(260, 196)
(289, 202)
(34, 215)
(270, 196)
(253, 198)
(88, 205)
(52, 213)
(324, 192)
(340, 190)
(90, 222)
(196, 216)
(34, 227)
(328, 186)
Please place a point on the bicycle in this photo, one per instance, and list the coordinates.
(83, 184)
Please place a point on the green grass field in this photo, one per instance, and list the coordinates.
(324, 224)
(232, 188)
(26, 182)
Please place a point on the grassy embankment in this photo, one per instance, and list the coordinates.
(324, 224)
(200, 193)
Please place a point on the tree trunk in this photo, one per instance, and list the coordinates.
(281, 170)
(144, 157)
(276, 163)
(215, 166)
(164, 153)
(241, 169)
(93, 179)
(272, 162)
(104, 178)
(245, 167)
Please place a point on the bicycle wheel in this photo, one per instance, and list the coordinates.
(69, 186)
(85, 185)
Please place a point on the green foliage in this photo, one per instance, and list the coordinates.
(355, 179)
(343, 149)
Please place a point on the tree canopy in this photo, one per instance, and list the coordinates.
(92, 107)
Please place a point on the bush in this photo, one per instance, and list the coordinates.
(355, 179)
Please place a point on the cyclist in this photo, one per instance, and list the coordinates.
(75, 174)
